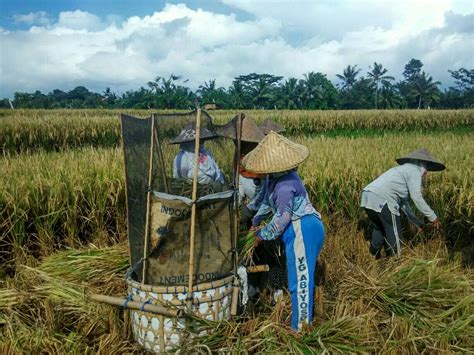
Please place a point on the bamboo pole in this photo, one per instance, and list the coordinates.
(148, 202)
(235, 294)
(160, 158)
(193, 208)
(141, 306)
(257, 268)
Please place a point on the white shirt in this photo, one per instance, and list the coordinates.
(208, 171)
(394, 188)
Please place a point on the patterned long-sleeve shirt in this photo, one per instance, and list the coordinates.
(288, 200)
(208, 171)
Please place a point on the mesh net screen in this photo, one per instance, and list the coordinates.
(171, 186)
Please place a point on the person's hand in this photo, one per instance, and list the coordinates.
(257, 241)
(247, 216)
(436, 224)
(254, 228)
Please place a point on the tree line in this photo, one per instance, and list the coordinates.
(376, 89)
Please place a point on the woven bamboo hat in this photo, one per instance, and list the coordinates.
(250, 130)
(275, 154)
(270, 125)
(423, 154)
(188, 134)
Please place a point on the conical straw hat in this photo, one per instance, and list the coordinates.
(423, 154)
(275, 154)
(270, 125)
(188, 134)
(250, 130)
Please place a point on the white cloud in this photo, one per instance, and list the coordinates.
(81, 49)
(33, 18)
(79, 20)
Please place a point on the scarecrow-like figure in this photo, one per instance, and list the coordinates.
(294, 218)
(384, 197)
(183, 165)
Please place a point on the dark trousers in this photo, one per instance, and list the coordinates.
(386, 232)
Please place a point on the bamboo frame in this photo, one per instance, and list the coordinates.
(148, 202)
(126, 186)
(257, 268)
(180, 289)
(193, 207)
(145, 307)
(235, 294)
(160, 157)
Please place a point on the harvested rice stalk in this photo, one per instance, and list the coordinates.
(94, 266)
(246, 246)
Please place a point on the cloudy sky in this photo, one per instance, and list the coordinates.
(122, 44)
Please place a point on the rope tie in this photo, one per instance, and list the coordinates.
(144, 304)
(129, 298)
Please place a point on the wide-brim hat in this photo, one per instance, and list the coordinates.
(423, 154)
(275, 154)
(270, 125)
(188, 134)
(250, 130)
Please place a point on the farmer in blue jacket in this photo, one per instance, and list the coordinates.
(384, 197)
(294, 218)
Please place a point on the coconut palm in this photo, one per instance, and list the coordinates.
(349, 76)
(378, 77)
(425, 89)
(290, 94)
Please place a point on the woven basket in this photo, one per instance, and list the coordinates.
(156, 333)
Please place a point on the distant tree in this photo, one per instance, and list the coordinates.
(349, 76)
(238, 96)
(169, 94)
(425, 89)
(378, 77)
(289, 94)
(412, 69)
(389, 97)
(463, 78)
(260, 88)
(318, 92)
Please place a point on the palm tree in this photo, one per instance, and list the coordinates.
(377, 76)
(289, 94)
(349, 76)
(312, 89)
(389, 97)
(237, 95)
(425, 89)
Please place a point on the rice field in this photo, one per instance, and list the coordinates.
(63, 235)
(55, 130)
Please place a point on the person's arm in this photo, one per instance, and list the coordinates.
(175, 166)
(282, 217)
(405, 207)
(414, 189)
(263, 210)
(209, 168)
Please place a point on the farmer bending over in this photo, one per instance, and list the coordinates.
(294, 218)
(384, 197)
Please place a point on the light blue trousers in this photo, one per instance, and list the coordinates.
(303, 240)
